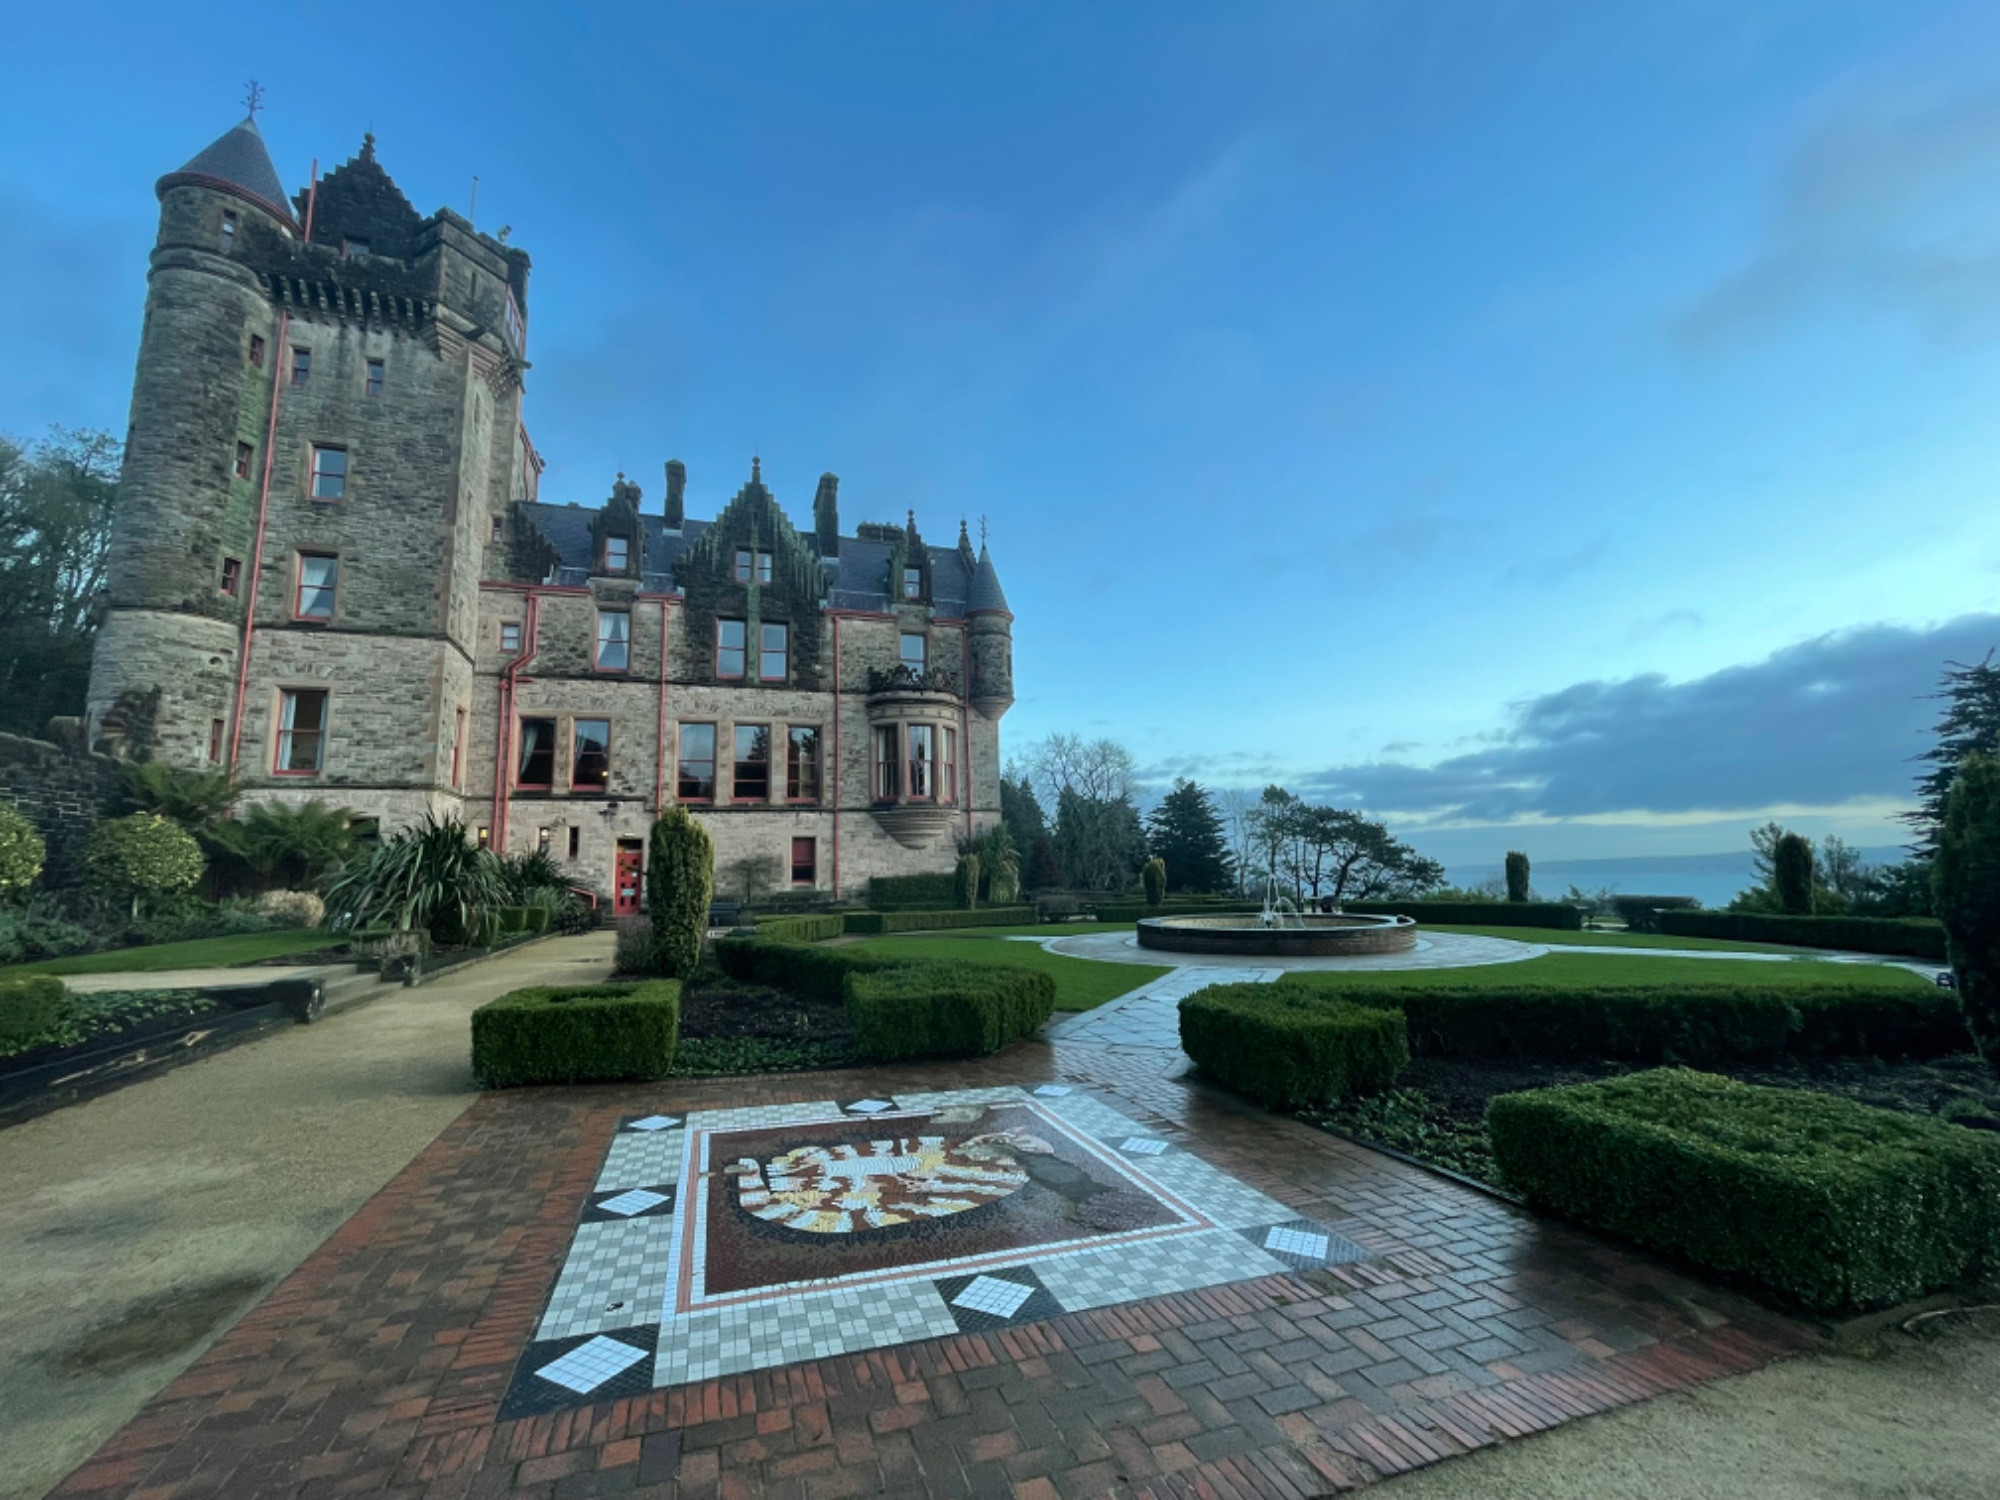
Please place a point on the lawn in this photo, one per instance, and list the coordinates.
(1567, 938)
(1587, 971)
(197, 953)
(1081, 983)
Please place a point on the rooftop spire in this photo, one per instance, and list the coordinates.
(236, 162)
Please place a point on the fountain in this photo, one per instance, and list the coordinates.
(1280, 929)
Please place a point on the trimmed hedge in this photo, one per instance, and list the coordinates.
(1480, 913)
(919, 1007)
(1642, 913)
(1903, 937)
(1668, 1023)
(1174, 906)
(30, 1007)
(516, 921)
(931, 921)
(913, 892)
(816, 928)
(1289, 1047)
(1832, 1204)
(954, 1009)
(577, 1034)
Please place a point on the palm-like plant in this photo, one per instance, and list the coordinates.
(197, 800)
(429, 877)
(297, 847)
(535, 879)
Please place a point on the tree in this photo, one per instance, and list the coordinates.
(999, 862)
(1518, 888)
(1185, 832)
(56, 498)
(1334, 854)
(965, 881)
(142, 855)
(1240, 812)
(1966, 895)
(680, 879)
(1099, 770)
(1153, 876)
(1045, 871)
(296, 847)
(1020, 812)
(1098, 842)
(1792, 874)
(21, 852)
(1969, 725)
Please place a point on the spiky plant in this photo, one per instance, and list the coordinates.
(427, 878)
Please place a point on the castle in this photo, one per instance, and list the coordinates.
(332, 572)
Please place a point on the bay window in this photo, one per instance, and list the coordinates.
(888, 762)
(921, 740)
(948, 771)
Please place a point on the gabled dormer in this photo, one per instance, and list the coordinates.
(357, 210)
(754, 589)
(910, 567)
(617, 540)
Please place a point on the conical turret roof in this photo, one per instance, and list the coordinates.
(236, 160)
(986, 593)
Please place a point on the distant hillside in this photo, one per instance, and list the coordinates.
(1711, 879)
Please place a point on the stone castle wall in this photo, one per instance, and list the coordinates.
(63, 793)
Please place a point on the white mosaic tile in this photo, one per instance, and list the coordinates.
(990, 1294)
(1140, 1145)
(588, 1366)
(653, 1122)
(634, 1201)
(870, 1106)
(1153, 1268)
(1053, 1090)
(1297, 1242)
(1221, 1197)
(642, 1160)
(612, 1278)
(810, 1325)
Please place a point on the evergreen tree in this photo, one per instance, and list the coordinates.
(680, 878)
(1517, 876)
(1966, 880)
(1099, 841)
(1021, 812)
(1969, 725)
(1153, 876)
(1792, 874)
(1185, 832)
(1045, 871)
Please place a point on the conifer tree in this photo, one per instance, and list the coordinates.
(1966, 896)
(1517, 876)
(1792, 874)
(1185, 832)
(680, 879)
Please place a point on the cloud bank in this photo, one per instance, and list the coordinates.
(1830, 721)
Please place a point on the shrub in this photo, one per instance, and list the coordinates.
(292, 908)
(1676, 1022)
(1830, 1203)
(21, 852)
(931, 921)
(634, 947)
(818, 973)
(1518, 889)
(1153, 876)
(39, 930)
(431, 877)
(814, 928)
(1966, 895)
(1908, 937)
(142, 855)
(1792, 874)
(1642, 913)
(899, 892)
(1290, 1047)
(298, 846)
(1554, 914)
(577, 1034)
(29, 1009)
(965, 882)
(680, 879)
(944, 1009)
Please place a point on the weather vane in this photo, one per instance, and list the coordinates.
(982, 531)
(253, 98)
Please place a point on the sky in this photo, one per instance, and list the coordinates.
(1552, 426)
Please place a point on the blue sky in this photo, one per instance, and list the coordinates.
(1572, 416)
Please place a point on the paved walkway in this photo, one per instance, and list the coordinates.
(199, 979)
(139, 1225)
(1437, 950)
(456, 1336)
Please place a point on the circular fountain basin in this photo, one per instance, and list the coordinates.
(1313, 935)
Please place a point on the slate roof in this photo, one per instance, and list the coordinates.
(238, 159)
(985, 593)
(857, 579)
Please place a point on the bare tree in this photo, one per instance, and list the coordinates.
(1099, 770)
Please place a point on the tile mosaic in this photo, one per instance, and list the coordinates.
(1139, 1145)
(990, 1294)
(554, 1374)
(1305, 1245)
(652, 1122)
(634, 1201)
(981, 1303)
(1053, 1090)
(588, 1366)
(611, 1278)
(868, 1106)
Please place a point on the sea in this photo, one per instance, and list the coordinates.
(1712, 879)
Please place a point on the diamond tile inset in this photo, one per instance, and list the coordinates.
(588, 1366)
(1296, 1242)
(654, 1122)
(1053, 1090)
(989, 1294)
(870, 1106)
(638, 1200)
(1139, 1145)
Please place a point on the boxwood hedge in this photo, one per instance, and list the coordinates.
(1714, 1023)
(927, 921)
(814, 927)
(890, 892)
(577, 1034)
(1834, 1205)
(1905, 937)
(1481, 913)
(1288, 1047)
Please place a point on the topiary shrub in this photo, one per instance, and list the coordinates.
(21, 852)
(634, 948)
(292, 908)
(577, 1034)
(1153, 876)
(1792, 874)
(1832, 1204)
(680, 880)
(1965, 890)
(1287, 1048)
(1517, 876)
(870, 922)
(815, 928)
(142, 855)
(965, 882)
(944, 1009)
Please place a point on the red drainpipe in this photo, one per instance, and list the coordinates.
(264, 499)
(660, 752)
(836, 757)
(503, 732)
(964, 723)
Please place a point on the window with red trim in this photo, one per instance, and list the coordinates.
(319, 577)
(948, 772)
(590, 761)
(773, 652)
(696, 762)
(510, 636)
(617, 550)
(923, 763)
(302, 365)
(802, 763)
(232, 576)
(245, 455)
(301, 731)
(888, 762)
(372, 383)
(731, 637)
(535, 767)
(614, 641)
(215, 739)
(750, 775)
(329, 473)
(805, 861)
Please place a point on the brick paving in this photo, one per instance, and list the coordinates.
(378, 1368)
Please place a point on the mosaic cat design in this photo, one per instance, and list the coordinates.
(850, 1189)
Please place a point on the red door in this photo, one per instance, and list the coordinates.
(626, 878)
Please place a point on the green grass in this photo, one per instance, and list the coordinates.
(1589, 971)
(1566, 939)
(1039, 929)
(197, 953)
(1081, 983)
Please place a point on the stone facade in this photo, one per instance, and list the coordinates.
(63, 793)
(327, 478)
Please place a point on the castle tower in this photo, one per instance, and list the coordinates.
(325, 442)
(992, 644)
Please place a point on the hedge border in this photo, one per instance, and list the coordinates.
(874, 922)
(578, 1033)
(1900, 937)
(1553, 914)
(1289, 1048)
